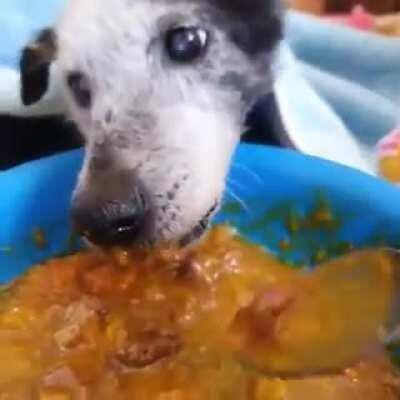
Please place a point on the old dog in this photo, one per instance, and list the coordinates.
(159, 90)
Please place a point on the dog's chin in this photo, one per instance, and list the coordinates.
(196, 233)
(200, 228)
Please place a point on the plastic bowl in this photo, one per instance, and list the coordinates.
(302, 208)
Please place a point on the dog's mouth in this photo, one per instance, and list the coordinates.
(201, 226)
(194, 234)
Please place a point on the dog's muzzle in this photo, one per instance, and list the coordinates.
(119, 221)
(126, 219)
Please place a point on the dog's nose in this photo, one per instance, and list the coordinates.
(111, 222)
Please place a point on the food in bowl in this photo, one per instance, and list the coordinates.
(220, 320)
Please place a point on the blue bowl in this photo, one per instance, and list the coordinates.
(303, 209)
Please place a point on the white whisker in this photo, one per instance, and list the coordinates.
(246, 169)
(235, 183)
(241, 202)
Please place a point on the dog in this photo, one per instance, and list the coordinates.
(159, 90)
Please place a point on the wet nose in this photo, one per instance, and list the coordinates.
(112, 222)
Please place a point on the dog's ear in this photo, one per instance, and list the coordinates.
(35, 62)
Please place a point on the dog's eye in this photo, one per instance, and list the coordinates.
(80, 88)
(186, 44)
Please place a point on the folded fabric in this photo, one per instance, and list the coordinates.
(356, 73)
(336, 87)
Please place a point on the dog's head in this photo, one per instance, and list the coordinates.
(160, 90)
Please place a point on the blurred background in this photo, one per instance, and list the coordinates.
(335, 6)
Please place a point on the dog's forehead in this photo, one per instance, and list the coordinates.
(87, 23)
(127, 13)
(253, 25)
(112, 42)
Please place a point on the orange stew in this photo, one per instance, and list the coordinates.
(222, 320)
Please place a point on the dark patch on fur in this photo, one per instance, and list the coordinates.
(120, 140)
(99, 163)
(237, 81)
(35, 64)
(233, 79)
(255, 26)
(108, 117)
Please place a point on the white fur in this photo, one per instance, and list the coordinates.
(179, 125)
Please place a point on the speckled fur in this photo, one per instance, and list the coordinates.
(173, 127)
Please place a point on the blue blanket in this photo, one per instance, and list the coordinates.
(356, 73)
(337, 88)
